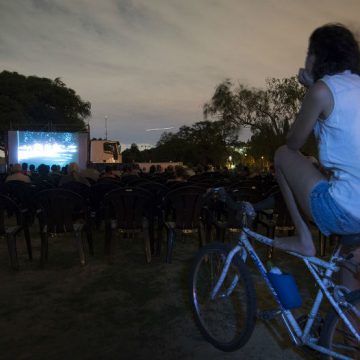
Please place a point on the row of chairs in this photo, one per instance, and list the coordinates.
(149, 208)
(130, 209)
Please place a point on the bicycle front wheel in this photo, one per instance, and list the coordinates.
(336, 336)
(228, 320)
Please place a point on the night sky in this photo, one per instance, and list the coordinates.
(154, 63)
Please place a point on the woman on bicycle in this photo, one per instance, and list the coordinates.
(331, 108)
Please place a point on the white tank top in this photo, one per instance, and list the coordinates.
(339, 141)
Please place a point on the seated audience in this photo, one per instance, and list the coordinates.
(24, 167)
(17, 174)
(90, 172)
(73, 174)
(108, 173)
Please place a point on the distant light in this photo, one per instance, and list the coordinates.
(157, 129)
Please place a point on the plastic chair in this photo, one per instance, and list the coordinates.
(23, 194)
(78, 188)
(226, 219)
(13, 219)
(276, 220)
(155, 222)
(63, 211)
(97, 195)
(128, 210)
(182, 212)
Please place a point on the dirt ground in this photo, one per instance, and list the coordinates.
(125, 310)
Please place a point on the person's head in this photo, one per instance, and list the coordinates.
(24, 166)
(126, 169)
(73, 168)
(108, 169)
(169, 169)
(54, 168)
(32, 167)
(180, 172)
(43, 170)
(332, 50)
(16, 168)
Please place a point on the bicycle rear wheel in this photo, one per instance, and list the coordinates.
(336, 336)
(227, 321)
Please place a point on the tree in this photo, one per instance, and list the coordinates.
(132, 155)
(268, 113)
(34, 103)
(203, 143)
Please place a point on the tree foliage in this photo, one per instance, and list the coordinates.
(34, 103)
(133, 154)
(267, 112)
(203, 143)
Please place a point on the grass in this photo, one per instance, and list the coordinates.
(124, 310)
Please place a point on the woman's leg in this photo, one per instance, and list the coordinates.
(296, 176)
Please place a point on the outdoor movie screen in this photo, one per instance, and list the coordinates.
(49, 148)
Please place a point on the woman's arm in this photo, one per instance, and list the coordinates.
(317, 103)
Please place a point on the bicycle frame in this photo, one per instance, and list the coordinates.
(321, 271)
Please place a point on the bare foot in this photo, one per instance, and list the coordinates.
(294, 243)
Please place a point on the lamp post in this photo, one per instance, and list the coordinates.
(106, 119)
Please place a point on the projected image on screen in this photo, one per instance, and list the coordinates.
(47, 147)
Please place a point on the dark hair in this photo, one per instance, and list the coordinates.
(335, 50)
(108, 169)
(180, 171)
(43, 169)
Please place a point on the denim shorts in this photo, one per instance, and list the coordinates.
(329, 217)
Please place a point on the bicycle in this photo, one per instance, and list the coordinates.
(223, 299)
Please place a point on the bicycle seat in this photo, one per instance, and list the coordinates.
(351, 240)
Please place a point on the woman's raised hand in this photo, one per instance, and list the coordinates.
(305, 78)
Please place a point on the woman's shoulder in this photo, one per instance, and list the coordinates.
(341, 81)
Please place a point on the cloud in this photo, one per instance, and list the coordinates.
(50, 7)
(154, 63)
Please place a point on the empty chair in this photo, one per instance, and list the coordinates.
(129, 210)
(277, 220)
(63, 211)
(78, 188)
(231, 220)
(182, 213)
(97, 195)
(177, 184)
(13, 219)
(250, 190)
(23, 194)
(155, 222)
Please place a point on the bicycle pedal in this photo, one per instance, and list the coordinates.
(266, 315)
